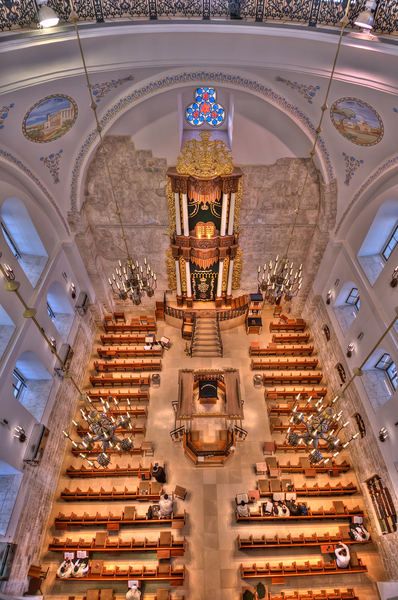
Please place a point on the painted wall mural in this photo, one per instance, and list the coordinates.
(49, 119)
(357, 121)
(4, 114)
(351, 165)
(52, 162)
(307, 91)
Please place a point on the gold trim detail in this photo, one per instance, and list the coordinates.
(183, 274)
(172, 208)
(171, 269)
(237, 272)
(225, 274)
(204, 159)
(238, 203)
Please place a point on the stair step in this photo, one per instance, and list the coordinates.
(218, 354)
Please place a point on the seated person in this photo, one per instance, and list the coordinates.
(243, 509)
(159, 473)
(281, 510)
(342, 556)
(133, 593)
(166, 506)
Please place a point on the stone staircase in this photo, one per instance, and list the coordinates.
(206, 339)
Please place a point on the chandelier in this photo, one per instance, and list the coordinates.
(102, 428)
(321, 424)
(279, 281)
(133, 281)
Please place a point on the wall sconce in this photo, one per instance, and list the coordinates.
(360, 336)
(329, 296)
(350, 350)
(383, 434)
(64, 275)
(336, 283)
(53, 342)
(394, 278)
(73, 290)
(20, 434)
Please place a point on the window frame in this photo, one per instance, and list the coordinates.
(50, 312)
(18, 389)
(11, 243)
(393, 236)
(387, 366)
(356, 300)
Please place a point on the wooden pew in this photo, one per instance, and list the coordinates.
(294, 325)
(305, 464)
(276, 393)
(136, 429)
(276, 350)
(157, 573)
(129, 328)
(268, 487)
(145, 492)
(290, 540)
(297, 449)
(283, 363)
(102, 543)
(114, 471)
(285, 410)
(320, 513)
(299, 570)
(336, 594)
(128, 365)
(122, 340)
(97, 449)
(129, 352)
(290, 338)
(123, 396)
(277, 426)
(291, 378)
(113, 522)
(134, 412)
(119, 380)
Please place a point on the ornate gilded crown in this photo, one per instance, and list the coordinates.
(204, 159)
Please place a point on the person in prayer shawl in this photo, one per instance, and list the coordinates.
(133, 593)
(243, 509)
(166, 506)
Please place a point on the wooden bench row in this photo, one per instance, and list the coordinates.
(277, 364)
(101, 543)
(315, 513)
(146, 491)
(277, 426)
(163, 572)
(307, 569)
(336, 594)
(304, 464)
(281, 410)
(283, 377)
(135, 430)
(131, 352)
(108, 594)
(297, 449)
(113, 522)
(123, 396)
(274, 393)
(97, 449)
(290, 338)
(122, 340)
(301, 540)
(131, 412)
(294, 325)
(128, 365)
(129, 327)
(113, 471)
(120, 380)
(276, 350)
(268, 487)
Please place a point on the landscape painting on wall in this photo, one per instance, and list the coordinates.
(357, 121)
(49, 119)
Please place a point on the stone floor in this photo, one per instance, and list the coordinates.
(212, 558)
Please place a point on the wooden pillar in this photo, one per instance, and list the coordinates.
(185, 214)
(224, 214)
(219, 284)
(178, 212)
(229, 282)
(231, 217)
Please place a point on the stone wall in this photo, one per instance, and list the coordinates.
(39, 483)
(364, 453)
(270, 196)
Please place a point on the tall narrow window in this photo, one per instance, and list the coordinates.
(392, 242)
(18, 383)
(353, 298)
(387, 364)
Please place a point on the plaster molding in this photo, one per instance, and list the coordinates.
(185, 79)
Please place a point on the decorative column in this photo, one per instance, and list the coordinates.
(231, 214)
(229, 282)
(189, 287)
(185, 214)
(178, 213)
(219, 284)
(224, 214)
(178, 278)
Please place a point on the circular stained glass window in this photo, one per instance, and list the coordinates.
(205, 109)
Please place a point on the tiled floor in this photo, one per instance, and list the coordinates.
(212, 557)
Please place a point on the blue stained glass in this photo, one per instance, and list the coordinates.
(205, 109)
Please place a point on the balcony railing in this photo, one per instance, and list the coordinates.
(17, 14)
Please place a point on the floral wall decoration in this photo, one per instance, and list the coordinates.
(4, 114)
(52, 162)
(307, 91)
(101, 89)
(351, 165)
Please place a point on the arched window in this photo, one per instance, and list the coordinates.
(379, 378)
(32, 383)
(59, 309)
(380, 240)
(7, 328)
(23, 239)
(347, 305)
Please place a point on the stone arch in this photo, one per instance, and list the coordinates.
(59, 309)
(36, 383)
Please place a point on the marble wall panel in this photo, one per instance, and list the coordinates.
(33, 266)
(6, 332)
(9, 487)
(345, 315)
(34, 397)
(372, 267)
(377, 387)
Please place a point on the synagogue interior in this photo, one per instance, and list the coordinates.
(198, 314)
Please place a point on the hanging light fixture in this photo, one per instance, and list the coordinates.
(365, 19)
(46, 16)
(133, 281)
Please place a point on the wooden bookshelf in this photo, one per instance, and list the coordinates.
(382, 504)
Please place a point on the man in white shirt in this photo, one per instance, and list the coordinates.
(342, 555)
(133, 593)
(243, 510)
(166, 506)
